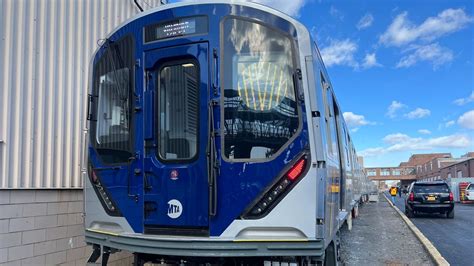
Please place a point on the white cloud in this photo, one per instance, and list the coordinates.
(370, 60)
(393, 108)
(396, 138)
(433, 53)
(418, 113)
(467, 120)
(355, 121)
(336, 13)
(402, 31)
(449, 123)
(365, 21)
(372, 152)
(402, 142)
(340, 53)
(463, 101)
(424, 131)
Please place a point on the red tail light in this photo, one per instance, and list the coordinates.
(274, 194)
(451, 196)
(296, 170)
(94, 177)
(411, 197)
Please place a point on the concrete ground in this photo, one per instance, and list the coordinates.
(380, 237)
(454, 238)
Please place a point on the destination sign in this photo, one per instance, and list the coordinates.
(176, 28)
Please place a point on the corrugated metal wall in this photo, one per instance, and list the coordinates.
(45, 49)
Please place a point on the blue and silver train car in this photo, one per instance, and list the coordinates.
(215, 136)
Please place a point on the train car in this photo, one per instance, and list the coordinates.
(215, 137)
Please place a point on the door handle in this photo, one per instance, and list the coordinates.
(215, 72)
(130, 160)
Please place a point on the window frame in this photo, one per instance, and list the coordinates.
(296, 64)
(131, 92)
(167, 63)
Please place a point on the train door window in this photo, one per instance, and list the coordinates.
(346, 150)
(260, 107)
(332, 126)
(325, 88)
(113, 86)
(178, 110)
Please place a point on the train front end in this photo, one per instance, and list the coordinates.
(198, 143)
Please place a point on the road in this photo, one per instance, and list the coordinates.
(372, 240)
(454, 238)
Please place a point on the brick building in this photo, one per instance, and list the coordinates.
(450, 168)
(432, 166)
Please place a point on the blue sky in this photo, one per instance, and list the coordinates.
(403, 72)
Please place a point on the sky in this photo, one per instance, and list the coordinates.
(402, 71)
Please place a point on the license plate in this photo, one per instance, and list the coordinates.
(431, 198)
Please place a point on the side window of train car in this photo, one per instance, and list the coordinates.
(325, 88)
(332, 125)
(260, 106)
(346, 143)
(349, 145)
(330, 119)
(111, 133)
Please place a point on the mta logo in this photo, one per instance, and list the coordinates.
(175, 209)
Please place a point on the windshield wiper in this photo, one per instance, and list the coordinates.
(213, 164)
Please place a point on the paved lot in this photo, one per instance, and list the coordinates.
(454, 238)
(380, 237)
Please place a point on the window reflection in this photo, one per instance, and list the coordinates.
(111, 134)
(260, 109)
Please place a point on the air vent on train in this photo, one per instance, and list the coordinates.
(102, 193)
(270, 198)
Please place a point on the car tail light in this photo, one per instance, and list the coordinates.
(411, 197)
(451, 196)
(276, 192)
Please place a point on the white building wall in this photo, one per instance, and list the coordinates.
(45, 49)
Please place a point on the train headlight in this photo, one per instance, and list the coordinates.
(102, 193)
(277, 191)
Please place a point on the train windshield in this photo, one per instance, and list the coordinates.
(111, 130)
(260, 108)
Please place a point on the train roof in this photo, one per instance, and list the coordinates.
(298, 25)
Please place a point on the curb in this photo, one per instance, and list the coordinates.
(434, 253)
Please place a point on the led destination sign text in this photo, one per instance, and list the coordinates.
(176, 28)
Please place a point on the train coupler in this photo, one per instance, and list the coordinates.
(97, 252)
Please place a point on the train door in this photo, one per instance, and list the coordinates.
(333, 161)
(340, 134)
(176, 136)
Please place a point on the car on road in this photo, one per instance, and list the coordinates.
(429, 197)
(470, 192)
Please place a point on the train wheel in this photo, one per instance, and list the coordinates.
(137, 260)
(331, 257)
(349, 222)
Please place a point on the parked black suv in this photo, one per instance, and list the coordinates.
(430, 197)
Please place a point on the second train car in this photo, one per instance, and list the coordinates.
(215, 136)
